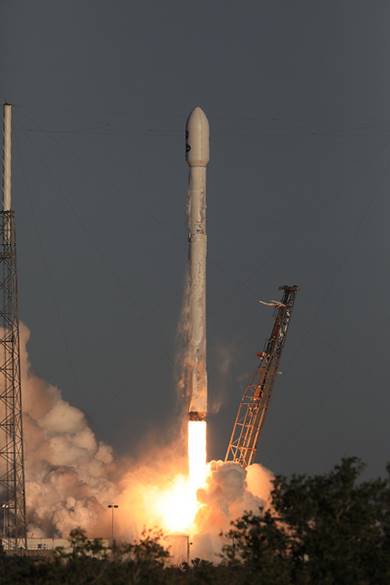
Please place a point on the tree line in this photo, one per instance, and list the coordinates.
(327, 529)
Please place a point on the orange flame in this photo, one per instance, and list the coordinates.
(178, 505)
(197, 454)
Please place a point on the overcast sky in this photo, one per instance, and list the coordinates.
(297, 95)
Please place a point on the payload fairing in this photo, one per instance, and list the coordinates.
(197, 157)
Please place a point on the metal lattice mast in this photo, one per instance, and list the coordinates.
(12, 483)
(255, 401)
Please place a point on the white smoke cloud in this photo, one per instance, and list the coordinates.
(230, 491)
(67, 469)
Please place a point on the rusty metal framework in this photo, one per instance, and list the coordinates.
(12, 483)
(255, 401)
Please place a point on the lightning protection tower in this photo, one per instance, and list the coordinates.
(12, 484)
(255, 401)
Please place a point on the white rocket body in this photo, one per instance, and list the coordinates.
(197, 156)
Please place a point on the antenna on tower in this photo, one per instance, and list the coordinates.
(12, 483)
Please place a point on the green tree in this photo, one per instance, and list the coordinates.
(260, 545)
(336, 528)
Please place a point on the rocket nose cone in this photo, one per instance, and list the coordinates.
(197, 138)
(197, 118)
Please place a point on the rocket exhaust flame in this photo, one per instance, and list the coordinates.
(197, 454)
(179, 505)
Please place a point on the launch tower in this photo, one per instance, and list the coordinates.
(255, 401)
(12, 484)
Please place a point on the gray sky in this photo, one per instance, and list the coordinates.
(298, 104)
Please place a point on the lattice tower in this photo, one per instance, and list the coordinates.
(12, 482)
(254, 404)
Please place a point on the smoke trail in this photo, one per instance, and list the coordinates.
(183, 362)
(223, 355)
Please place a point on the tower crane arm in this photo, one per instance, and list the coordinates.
(254, 404)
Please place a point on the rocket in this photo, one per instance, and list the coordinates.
(197, 157)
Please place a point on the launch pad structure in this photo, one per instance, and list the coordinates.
(254, 404)
(12, 481)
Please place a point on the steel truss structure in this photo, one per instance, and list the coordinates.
(255, 401)
(12, 483)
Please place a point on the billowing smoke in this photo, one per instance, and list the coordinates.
(67, 469)
(71, 477)
(230, 491)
